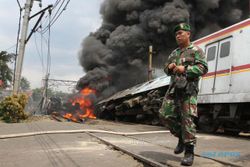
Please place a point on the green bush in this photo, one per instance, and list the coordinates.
(12, 108)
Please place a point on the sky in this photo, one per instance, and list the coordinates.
(79, 19)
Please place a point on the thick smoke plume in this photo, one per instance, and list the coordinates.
(115, 57)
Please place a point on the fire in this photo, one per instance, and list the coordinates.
(84, 106)
(69, 116)
(87, 91)
(89, 114)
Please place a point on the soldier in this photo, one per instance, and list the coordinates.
(185, 65)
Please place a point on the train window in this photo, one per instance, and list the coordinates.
(225, 49)
(211, 53)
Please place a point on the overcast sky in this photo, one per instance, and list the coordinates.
(79, 19)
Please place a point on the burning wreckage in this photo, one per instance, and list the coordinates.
(77, 108)
(138, 104)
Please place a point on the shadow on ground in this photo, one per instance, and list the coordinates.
(160, 157)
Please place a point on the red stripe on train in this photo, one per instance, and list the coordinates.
(217, 72)
(242, 67)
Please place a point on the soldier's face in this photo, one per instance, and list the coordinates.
(182, 37)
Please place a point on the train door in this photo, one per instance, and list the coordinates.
(207, 83)
(223, 67)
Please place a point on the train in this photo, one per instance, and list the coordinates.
(224, 96)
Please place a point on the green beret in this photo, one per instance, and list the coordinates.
(182, 26)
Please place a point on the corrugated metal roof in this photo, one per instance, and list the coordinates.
(146, 86)
(156, 83)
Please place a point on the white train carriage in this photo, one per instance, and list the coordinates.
(226, 85)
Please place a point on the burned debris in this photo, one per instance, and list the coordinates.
(77, 108)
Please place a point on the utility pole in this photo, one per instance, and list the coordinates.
(21, 49)
(45, 95)
(45, 91)
(150, 77)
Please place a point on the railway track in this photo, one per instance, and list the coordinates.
(49, 144)
(146, 148)
(149, 161)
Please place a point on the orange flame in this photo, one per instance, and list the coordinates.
(69, 116)
(87, 91)
(85, 105)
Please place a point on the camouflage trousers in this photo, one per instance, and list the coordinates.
(178, 113)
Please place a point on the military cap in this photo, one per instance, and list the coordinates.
(182, 26)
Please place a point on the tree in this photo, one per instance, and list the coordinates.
(37, 93)
(25, 84)
(5, 72)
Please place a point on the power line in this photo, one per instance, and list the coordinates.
(45, 90)
(58, 10)
(41, 35)
(49, 56)
(10, 47)
(55, 13)
(55, 4)
(19, 4)
(38, 52)
(56, 17)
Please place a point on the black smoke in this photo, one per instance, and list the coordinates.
(115, 57)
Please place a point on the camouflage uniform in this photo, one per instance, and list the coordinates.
(180, 105)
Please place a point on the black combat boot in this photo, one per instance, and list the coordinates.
(180, 147)
(188, 156)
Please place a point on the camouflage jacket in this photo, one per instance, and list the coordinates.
(193, 58)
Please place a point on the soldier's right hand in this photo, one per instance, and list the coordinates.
(171, 66)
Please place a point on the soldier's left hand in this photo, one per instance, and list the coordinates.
(179, 69)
